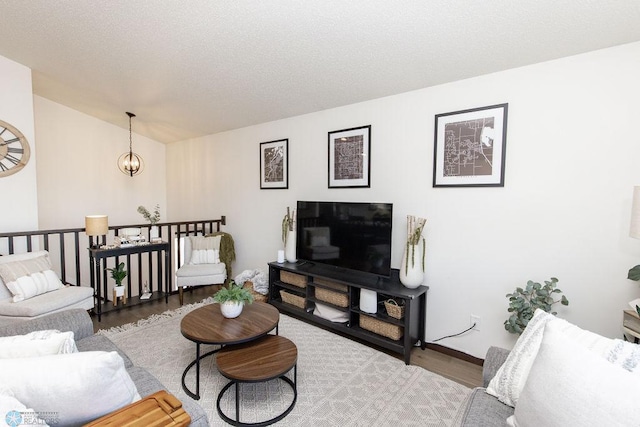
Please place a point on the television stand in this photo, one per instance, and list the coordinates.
(303, 288)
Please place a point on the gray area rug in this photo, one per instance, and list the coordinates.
(340, 382)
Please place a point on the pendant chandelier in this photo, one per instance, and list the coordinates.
(130, 163)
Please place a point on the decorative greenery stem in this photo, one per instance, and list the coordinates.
(288, 222)
(415, 226)
(153, 219)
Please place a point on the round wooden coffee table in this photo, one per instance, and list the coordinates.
(264, 359)
(207, 325)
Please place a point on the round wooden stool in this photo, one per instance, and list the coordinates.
(265, 359)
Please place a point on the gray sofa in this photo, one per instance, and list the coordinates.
(482, 409)
(78, 321)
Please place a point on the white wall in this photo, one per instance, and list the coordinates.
(19, 198)
(564, 211)
(78, 173)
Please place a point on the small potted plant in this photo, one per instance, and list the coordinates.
(118, 274)
(524, 302)
(232, 299)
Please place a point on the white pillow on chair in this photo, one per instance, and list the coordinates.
(205, 250)
(205, 256)
(30, 277)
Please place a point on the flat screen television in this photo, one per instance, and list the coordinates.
(350, 235)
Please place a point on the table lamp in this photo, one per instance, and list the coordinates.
(96, 225)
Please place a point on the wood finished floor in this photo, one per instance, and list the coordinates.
(461, 371)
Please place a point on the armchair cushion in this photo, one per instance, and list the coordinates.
(64, 298)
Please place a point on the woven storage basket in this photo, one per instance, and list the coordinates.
(256, 295)
(292, 299)
(393, 309)
(381, 328)
(335, 298)
(330, 284)
(293, 279)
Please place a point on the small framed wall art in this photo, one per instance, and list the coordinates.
(469, 148)
(274, 164)
(349, 157)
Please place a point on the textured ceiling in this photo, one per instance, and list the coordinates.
(197, 67)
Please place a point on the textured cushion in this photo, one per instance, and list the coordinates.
(570, 385)
(30, 277)
(512, 375)
(37, 343)
(201, 242)
(4, 292)
(79, 387)
(205, 256)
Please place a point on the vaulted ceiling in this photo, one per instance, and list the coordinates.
(198, 67)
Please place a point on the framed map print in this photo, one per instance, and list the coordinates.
(274, 164)
(349, 157)
(469, 148)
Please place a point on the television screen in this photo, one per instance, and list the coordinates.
(351, 235)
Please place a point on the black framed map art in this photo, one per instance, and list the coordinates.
(469, 147)
(274, 164)
(349, 157)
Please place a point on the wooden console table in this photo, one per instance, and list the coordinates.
(98, 261)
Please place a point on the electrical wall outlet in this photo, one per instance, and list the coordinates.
(475, 320)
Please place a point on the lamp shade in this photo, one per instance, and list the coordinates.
(96, 225)
(634, 229)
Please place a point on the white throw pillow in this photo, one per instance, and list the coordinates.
(570, 385)
(30, 277)
(37, 343)
(201, 242)
(508, 382)
(78, 387)
(205, 256)
(35, 284)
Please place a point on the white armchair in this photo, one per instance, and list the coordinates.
(199, 268)
(29, 288)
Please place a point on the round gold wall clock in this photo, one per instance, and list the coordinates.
(14, 150)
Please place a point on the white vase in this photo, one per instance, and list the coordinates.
(154, 232)
(290, 246)
(231, 309)
(411, 269)
(119, 290)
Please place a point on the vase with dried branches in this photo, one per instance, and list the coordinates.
(413, 265)
(289, 235)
